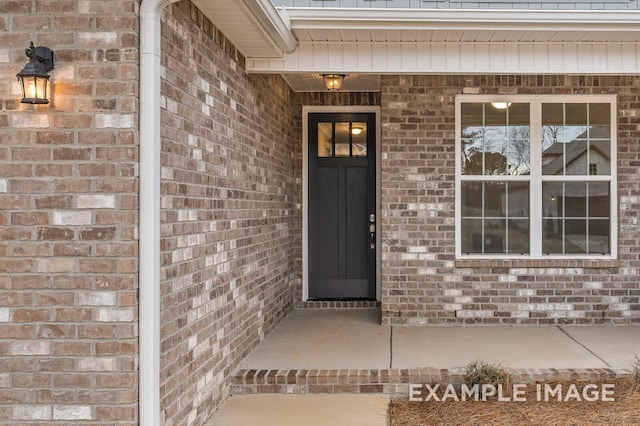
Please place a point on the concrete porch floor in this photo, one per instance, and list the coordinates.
(342, 339)
(332, 341)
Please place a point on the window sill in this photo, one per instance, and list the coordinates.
(538, 263)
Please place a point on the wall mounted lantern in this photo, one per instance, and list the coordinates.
(333, 82)
(34, 77)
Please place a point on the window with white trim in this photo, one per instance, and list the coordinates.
(536, 176)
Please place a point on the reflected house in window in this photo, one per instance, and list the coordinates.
(591, 148)
(578, 208)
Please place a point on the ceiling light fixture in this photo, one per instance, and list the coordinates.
(333, 82)
(501, 105)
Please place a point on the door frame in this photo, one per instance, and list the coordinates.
(306, 110)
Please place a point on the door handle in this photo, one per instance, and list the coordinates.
(372, 231)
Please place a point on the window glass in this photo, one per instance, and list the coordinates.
(576, 217)
(495, 139)
(576, 139)
(495, 217)
(325, 139)
(359, 139)
(343, 140)
(559, 204)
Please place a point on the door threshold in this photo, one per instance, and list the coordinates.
(339, 299)
(338, 304)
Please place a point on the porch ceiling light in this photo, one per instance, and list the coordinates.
(34, 77)
(356, 130)
(501, 105)
(333, 82)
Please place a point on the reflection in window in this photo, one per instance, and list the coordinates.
(359, 139)
(495, 217)
(495, 141)
(576, 217)
(553, 195)
(325, 139)
(576, 139)
(343, 139)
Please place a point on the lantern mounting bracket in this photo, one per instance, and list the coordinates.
(41, 54)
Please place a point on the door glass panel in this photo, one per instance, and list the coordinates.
(359, 139)
(343, 141)
(325, 139)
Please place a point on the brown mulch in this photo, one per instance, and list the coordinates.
(624, 411)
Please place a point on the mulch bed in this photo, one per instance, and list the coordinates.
(625, 410)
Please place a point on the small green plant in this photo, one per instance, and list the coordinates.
(480, 373)
(635, 378)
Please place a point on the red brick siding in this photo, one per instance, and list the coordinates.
(423, 283)
(228, 189)
(68, 216)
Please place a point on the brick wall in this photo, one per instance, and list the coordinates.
(422, 282)
(68, 216)
(227, 213)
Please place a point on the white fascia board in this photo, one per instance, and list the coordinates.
(461, 19)
(456, 58)
(507, 54)
(274, 23)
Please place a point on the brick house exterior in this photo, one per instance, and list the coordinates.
(231, 211)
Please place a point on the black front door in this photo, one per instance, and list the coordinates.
(342, 206)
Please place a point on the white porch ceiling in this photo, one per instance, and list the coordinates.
(366, 43)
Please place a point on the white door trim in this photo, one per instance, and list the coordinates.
(306, 109)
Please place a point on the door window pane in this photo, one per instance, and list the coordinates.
(358, 139)
(325, 139)
(350, 139)
(343, 140)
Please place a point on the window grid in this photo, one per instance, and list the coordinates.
(536, 178)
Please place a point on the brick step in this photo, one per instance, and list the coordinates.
(393, 381)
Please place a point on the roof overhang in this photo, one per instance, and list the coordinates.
(255, 27)
(497, 25)
(361, 41)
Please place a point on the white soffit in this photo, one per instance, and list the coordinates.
(255, 27)
(351, 82)
(409, 41)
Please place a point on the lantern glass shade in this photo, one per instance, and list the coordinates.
(333, 82)
(34, 89)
